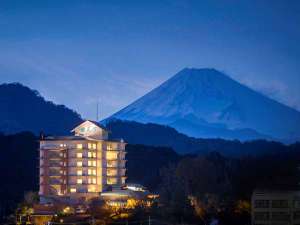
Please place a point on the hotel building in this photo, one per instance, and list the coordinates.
(270, 207)
(83, 165)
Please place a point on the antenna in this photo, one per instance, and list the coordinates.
(97, 112)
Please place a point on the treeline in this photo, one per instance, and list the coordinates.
(197, 188)
(18, 169)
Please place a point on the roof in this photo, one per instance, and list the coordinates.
(97, 124)
(74, 138)
(135, 185)
(94, 122)
(78, 138)
(116, 193)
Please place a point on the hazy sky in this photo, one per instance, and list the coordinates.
(76, 52)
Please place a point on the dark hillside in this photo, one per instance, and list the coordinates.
(23, 109)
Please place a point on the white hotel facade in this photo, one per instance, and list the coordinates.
(83, 165)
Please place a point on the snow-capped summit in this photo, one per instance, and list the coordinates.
(208, 103)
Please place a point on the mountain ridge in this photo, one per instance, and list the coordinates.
(24, 109)
(151, 134)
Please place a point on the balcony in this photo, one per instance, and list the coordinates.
(55, 181)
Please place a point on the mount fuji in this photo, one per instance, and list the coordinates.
(207, 103)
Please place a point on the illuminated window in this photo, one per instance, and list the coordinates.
(79, 146)
(89, 145)
(79, 172)
(92, 172)
(112, 172)
(111, 164)
(109, 147)
(79, 181)
(79, 164)
(91, 189)
(92, 181)
(111, 155)
(92, 163)
(92, 154)
(111, 181)
(79, 155)
(72, 190)
(94, 146)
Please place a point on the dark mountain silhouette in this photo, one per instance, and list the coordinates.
(23, 109)
(161, 135)
(207, 103)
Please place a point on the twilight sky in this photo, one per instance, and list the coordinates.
(76, 52)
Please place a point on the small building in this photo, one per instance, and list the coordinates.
(81, 166)
(130, 196)
(274, 207)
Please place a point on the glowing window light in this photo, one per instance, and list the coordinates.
(79, 146)
(92, 180)
(92, 154)
(79, 164)
(72, 190)
(111, 181)
(112, 172)
(91, 189)
(92, 172)
(79, 155)
(79, 181)
(79, 172)
(92, 163)
(111, 155)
